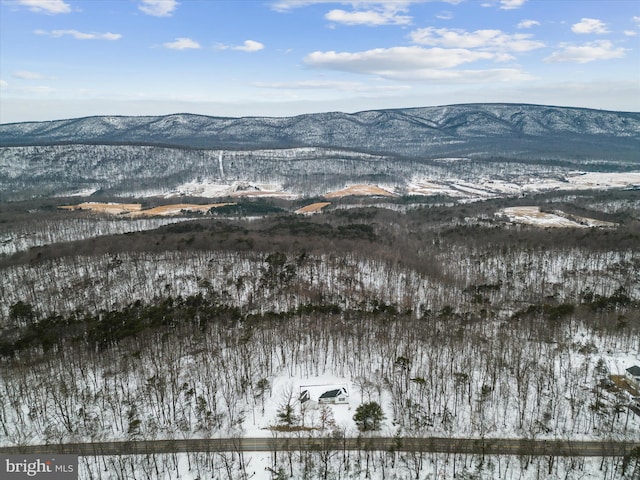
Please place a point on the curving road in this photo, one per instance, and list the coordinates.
(487, 446)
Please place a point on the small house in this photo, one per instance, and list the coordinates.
(339, 395)
(306, 403)
(632, 375)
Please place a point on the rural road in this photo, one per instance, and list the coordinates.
(496, 446)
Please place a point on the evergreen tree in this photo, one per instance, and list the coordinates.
(369, 416)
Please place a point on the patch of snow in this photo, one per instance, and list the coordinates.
(605, 180)
(533, 216)
(209, 189)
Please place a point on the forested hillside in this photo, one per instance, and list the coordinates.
(456, 321)
(311, 154)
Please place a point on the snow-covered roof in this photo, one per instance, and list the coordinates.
(635, 370)
(332, 393)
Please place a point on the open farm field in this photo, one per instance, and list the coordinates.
(360, 190)
(136, 210)
(313, 208)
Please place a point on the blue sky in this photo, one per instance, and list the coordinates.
(72, 58)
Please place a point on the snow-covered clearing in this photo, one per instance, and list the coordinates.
(533, 216)
(213, 189)
(600, 180)
(492, 187)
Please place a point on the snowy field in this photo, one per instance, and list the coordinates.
(463, 188)
(213, 189)
(518, 185)
(533, 216)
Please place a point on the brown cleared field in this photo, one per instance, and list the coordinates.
(360, 190)
(135, 209)
(110, 208)
(176, 209)
(312, 208)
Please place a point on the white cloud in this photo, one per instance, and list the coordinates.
(528, 23)
(158, 8)
(387, 62)
(182, 44)
(288, 5)
(588, 52)
(483, 39)
(446, 15)
(511, 4)
(247, 46)
(26, 75)
(636, 19)
(630, 33)
(389, 15)
(589, 25)
(3, 84)
(47, 6)
(80, 35)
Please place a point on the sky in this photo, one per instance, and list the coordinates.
(74, 58)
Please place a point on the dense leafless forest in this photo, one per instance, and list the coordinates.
(455, 320)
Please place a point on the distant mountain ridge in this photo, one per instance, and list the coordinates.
(310, 154)
(406, 131)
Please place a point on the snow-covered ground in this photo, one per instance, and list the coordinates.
(518, 185)
(350, 465)
(212, 189)
(459, 188)
(256, 417)
(533, 216)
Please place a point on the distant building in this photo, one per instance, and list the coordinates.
(336, 396)
(632, 375)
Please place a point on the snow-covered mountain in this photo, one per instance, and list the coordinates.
(390, 146)
(389, 131)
